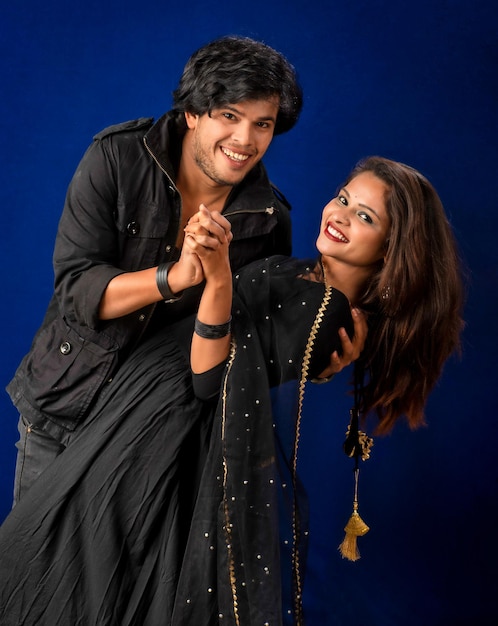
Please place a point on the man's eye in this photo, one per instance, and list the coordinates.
(229, 116)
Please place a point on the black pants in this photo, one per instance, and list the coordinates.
(35, 452)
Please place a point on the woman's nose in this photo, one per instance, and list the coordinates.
(340, 215)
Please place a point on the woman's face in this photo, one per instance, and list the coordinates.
(355, 224)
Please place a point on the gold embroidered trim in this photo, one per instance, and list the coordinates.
(228, 531)
(298, 604)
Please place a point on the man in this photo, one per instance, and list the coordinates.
(121, 233)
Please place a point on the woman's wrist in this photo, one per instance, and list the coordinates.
(212, 331)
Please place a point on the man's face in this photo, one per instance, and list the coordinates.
(227, 144)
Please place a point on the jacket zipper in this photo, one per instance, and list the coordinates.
(157, 162)
(269, 211)
(154, 305)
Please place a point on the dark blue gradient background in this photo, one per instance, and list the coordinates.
(416, 82)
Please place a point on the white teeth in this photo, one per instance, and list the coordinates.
(335, 233)
(235, 155)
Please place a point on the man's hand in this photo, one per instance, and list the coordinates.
(209, 228)
(208, 235)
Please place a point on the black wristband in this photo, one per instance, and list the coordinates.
(163, 285)
(212, 331)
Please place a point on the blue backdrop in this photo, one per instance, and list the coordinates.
(415, 82)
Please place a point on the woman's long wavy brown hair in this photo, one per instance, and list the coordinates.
(415, 299)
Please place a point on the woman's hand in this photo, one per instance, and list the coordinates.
(351, 349)
(208, 235)
(204, 250)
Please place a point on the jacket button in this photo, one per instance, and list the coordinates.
(65, 347)
(133, 228)
(141, 318)
(168, 248)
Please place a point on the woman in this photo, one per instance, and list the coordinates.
(112, 537)
(386, 247)
(386, 244)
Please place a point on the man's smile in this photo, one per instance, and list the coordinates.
(235, 156)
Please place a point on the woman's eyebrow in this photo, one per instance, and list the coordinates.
(365, 206)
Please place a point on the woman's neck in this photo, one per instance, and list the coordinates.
(351, 280)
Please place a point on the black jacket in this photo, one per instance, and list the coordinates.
(122, 214)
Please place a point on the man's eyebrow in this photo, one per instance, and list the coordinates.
(365, 206)
(231, 107)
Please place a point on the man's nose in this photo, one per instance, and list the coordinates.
(243, 133)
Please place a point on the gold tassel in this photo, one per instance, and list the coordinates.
(355, 528)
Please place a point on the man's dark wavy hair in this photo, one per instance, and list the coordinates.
(235, 69)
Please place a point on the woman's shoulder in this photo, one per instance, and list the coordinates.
(277, 264)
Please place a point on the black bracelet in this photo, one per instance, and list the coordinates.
(212, 331)
(163, 285)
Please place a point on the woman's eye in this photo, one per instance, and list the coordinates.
(343, 200)
(365, 217)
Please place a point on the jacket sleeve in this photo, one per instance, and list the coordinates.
(86, 251)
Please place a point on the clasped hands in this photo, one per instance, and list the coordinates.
(205, 249)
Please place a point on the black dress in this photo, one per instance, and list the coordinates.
(165, 509)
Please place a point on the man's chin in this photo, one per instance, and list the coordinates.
(235, 174)
(230, 181)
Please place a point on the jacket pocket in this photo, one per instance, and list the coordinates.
(64, 372)
(249, 224)
(254, 237)
(142, 227)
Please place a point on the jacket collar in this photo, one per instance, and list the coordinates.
(164, 141)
